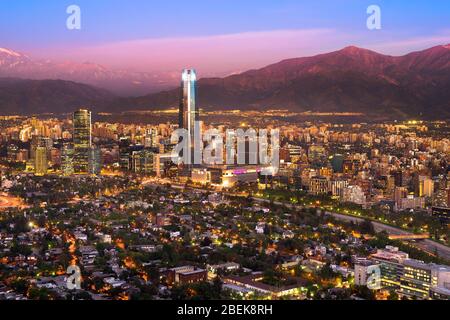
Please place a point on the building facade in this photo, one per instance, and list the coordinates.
(189, 113)
(82, 140)
(41, 162)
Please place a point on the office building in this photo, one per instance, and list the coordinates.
(318, 185)
(40, 162)
(67, 159)
(423, 186)
(188, 112)
(337, 187)
(162, 163)
(415, 280)
(411, 202)
(390, 261)
(411, 278)
(95, 161)
(226, 176)
(399, 194)
(151, 138)
(362, 271)
(82, 140)
(143, 161)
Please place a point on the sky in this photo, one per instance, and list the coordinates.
(217, 37)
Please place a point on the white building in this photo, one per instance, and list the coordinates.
(354, 194)
(361, 272)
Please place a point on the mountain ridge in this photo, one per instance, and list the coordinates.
(17, 65)
(351, 79)
(28, 97)
(348, 80)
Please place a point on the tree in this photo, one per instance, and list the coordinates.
(366, 227)
(19, 249)
(364, 292)
(39, 294)
(327, 272)
(272, 277)
(217, 287)
(206, 242)
(20, 286)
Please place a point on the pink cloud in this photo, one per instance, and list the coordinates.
(215, 55)
(221, 55)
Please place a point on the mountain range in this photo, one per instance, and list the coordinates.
(26, 97)
(349, 80)
(122, 82)
(352, 79)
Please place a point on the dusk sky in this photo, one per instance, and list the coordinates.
(215, 36)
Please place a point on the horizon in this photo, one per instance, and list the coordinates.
(14, 52)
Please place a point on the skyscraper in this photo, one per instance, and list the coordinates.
(82, 140)
(143, 161)
(189, 113)
(428, 187)
(95, 161)
(151, 136)
(188, 109)
(67, 159)
(40, 162)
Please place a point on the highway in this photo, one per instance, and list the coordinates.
(426, 245)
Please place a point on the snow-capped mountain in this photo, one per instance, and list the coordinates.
(120, 82)
(10, 60)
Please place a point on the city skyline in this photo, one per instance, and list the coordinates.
(359, 209)
(179, 181)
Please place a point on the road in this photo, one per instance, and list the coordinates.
(426, 245)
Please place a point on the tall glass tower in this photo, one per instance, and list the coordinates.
(188, 109)
(189, 113)
(82, 140)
